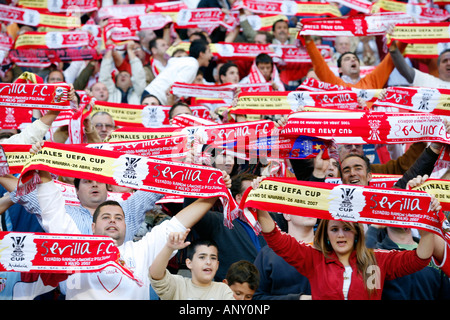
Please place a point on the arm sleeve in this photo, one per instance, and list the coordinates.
(138, 78)
(423, 165)
(403, 163)
(135, 208)
(33, 133)
(106, 68)
(403, 68)
(54, 217)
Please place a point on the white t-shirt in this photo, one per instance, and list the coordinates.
(422, 79)
(347, 280)
(181, 69)
(110, 283)
(176, 287)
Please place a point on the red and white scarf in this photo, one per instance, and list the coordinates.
(137, 172)
(368, 127)
(391, 207)
(59, 253)
(359, 25)
(436, 101)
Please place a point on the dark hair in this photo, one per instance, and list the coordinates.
(275, 23)
(440, 56)
(339, 61)
(196, 47)
(192, 248)
(174, 106)
(153, 43)
(103, 204)
(263, 58)
(76, 183)
(57, 70)
(199, 34)
(269, 36)
(178, 50)
(236, 182)
(6, 135)
(150, 96)
(243, 271)
(363, 157)
(224, 69)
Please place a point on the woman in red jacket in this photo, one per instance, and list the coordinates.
(338, 265)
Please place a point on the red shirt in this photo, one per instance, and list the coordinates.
(326, 275)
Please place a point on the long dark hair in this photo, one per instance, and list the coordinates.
(365, 257)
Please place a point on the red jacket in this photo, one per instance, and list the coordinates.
(326, 274)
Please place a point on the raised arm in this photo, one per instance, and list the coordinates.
(191, 214)
(175, 241)
(399, 61)
(264, 218)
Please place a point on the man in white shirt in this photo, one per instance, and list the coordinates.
(159, 58)
(182, 69)
(421, 79)
(109, 220)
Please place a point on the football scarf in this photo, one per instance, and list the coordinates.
(359, 25)
(35, 96)
(224, 91)
(34, 49)
(129, 115)
(60, 6)
(59, 253)
(289, 8)
(137, 172)
(34, 18)
(420, 12)
(421, 33)
(368, 127)
(290, 101)
(391, 207)
(436, 101)
(311, 84)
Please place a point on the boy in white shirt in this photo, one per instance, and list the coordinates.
(202, 260)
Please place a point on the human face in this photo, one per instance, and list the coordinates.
(231, 76)
(350, 65)
(139, 53)
(160, 49)
(91, 193)
(347, 149)
(150, 101)
(260, 38)
(300, 221)
(181, 110)
(444, 67)
(205, 57)
(281, 31)
(342, 44)
(332, 170)
(55, 76)
(100, 91)
(266, 70)
(241, 291)
(110, 222)
(204, 265)
(225, 163)
(123, 80)
(341, 237)
(355, 171)
(104, 125)
(244, 186)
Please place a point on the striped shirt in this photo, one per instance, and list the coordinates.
(134, 208)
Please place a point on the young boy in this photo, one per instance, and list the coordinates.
(243, 278)
(202, 260)
(264, 70)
